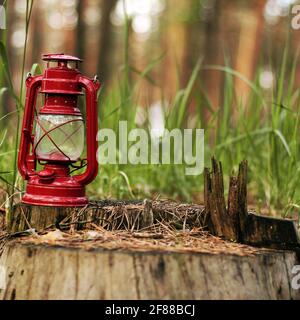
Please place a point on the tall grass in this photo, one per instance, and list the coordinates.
(12, 150)
(264, 130)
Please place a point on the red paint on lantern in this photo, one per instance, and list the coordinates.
(57, 139)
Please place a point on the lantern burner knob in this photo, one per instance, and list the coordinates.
(46, 174)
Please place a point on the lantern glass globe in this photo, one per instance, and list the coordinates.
(59, 137)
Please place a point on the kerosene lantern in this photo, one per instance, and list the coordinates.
(55, 136)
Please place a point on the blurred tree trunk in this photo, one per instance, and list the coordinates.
(37, 32)
(80, 34)
(105, 38)
(181, 30)
(249, 44)
(193, 39)
(213, 53)
(173, 42)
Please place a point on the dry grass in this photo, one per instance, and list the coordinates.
(194, 241)
(136, 215)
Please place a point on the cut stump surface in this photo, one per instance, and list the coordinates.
(51, 272)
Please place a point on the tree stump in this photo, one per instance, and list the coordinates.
(51, 272)
(110, 214)
(235, 222)
(173, 257)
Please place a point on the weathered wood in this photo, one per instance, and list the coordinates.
(236, 223)
(233, 207)
(260, 230)
(51, 272)
(217, 201)
(147, 214)
(271, 232)
(223, 222)
(26, 217)
(207, 194)
(43, 272)
(242, 197)
(111, 215)
(232, 223)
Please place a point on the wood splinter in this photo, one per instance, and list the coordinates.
(225, 221)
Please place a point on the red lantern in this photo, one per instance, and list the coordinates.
(54, 137)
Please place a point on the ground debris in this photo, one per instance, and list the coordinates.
(194, 241)
(131, 215)
(124, 225)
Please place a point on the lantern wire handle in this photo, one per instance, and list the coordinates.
(82, 165)
(96, 78)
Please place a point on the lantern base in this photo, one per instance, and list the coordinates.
(63, 192)
(54, 201)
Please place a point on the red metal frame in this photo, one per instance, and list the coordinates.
(54, 186)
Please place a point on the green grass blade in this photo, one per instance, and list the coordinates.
(238, 75)
(35, 69)
(187, 92)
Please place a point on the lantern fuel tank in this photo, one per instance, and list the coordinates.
(54, 135)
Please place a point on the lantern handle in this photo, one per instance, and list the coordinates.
(91, 87)
(32, 85)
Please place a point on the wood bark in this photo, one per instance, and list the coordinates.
(110, 214)
(235, 222)
(224, 223)
(48, 272)
(43, 272)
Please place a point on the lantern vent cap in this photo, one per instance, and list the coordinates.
(59, 57)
